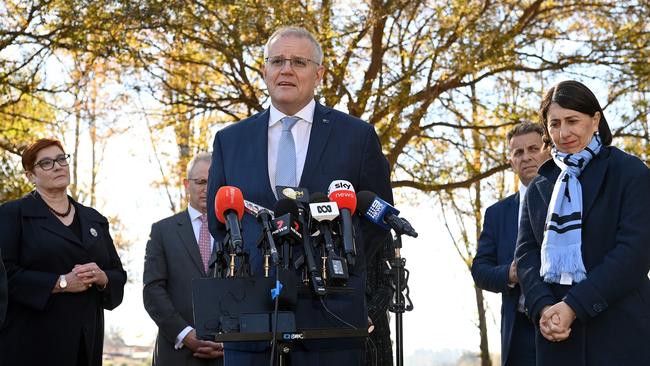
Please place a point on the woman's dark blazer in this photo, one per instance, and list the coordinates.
(42, 328)
(613, 304)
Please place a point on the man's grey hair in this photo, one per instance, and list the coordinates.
(202, 156)
(299, 32)
(525, 128)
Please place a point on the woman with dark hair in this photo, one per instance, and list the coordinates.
(583, 251)
(62, 269)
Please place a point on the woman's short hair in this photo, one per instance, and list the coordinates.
(29, 154)
(574, 95)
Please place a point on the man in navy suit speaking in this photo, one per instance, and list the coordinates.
(493, 268)
(299, 142)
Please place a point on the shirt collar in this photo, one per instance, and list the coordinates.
(305, 114)
(194, 213)
(522, 191)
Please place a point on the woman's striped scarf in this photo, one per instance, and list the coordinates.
(561, 248)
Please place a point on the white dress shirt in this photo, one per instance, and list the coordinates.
(522, 194)
(195, 219)
(301, 132)
(521, 307)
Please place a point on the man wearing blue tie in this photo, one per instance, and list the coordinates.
(493, 268)
(299, 142)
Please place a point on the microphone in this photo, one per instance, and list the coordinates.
(287, 228)
(342, 192)
(229, 207)
(255, 209)
(295, 228)
(295, 193)
(383, 214)
(286, 222)
(265, 217)
(324, 212)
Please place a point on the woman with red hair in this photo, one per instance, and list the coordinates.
(62, 268)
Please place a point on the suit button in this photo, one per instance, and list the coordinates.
(598, 307)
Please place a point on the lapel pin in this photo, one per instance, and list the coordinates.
(326, 120)
(93, 232)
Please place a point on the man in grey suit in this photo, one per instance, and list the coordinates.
(178, 251)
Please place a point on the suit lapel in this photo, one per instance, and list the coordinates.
(88, 221)
(320, 131)
(592, 178)
(186, 234)
(35, 207)
(53, 225)
(512, 223)
(546, 184)
(513, 209)
(548, 175)
(260, 137)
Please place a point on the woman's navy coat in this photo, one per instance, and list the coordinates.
(613, 304)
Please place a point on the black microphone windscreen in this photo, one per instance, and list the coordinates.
(364, 200)
(285, 206)
(318, 197)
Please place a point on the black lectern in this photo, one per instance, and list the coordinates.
(242, 310)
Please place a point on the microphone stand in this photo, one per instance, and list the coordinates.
(317, 282)
(218, 260)
(400, 299)
(226, 263)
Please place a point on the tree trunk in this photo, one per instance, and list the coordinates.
(482, 326)
(477, 205)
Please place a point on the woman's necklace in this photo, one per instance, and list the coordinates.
(60, 214)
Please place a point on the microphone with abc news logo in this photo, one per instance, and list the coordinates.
(291, 231)
(323, 213)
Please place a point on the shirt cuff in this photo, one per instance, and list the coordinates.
(181, 336)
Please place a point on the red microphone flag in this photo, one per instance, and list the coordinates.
(228, 198)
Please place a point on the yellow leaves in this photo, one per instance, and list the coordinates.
(404, 67)
(25, 120)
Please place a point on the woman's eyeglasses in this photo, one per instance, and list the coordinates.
(48, 164)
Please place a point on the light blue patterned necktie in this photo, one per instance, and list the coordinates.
(285, 167)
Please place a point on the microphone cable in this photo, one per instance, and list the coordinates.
(322, 301)
(275, 319)
(373, 350)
